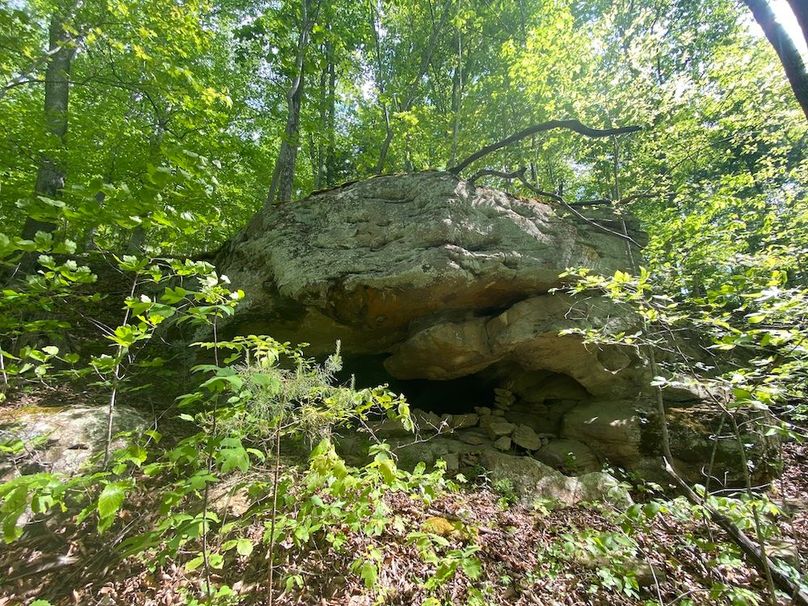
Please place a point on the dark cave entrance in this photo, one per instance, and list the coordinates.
(540, 398)
(524, 413)
(453, 396)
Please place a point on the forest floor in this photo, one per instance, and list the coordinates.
(586, 554)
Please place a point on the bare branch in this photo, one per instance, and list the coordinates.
(573, 125)
(520, 175)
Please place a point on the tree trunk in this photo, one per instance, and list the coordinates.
(287, 157)
(457, 99)
(331, 125)
(50, 178)
(318, 145)
(800, 10)
(283, 177)
(66, 40)
(388, 139)
(137, 237)
(789, 55)
(316, 157)
(375, 22)
(407, 103)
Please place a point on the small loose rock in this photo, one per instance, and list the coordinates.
(503, 443)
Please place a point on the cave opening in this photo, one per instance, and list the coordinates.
(541, 398)
(452, 396)
(503, 408)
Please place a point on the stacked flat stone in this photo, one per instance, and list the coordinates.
(503, 399)
(524, 437)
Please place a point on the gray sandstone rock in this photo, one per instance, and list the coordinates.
(463, 421)
(65, 439)
(534, 480)
(568, 455)
(611, 429)
(471, 438)
(526, 438)
(503, 443)
(397, 262)
(452, 460)
(439, 279)
(487, 420)
(500, 428)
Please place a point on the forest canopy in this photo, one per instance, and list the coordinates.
(171, 125)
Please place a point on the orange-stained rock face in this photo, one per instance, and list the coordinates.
(374, 262)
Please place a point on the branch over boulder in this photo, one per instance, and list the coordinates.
(573, 125)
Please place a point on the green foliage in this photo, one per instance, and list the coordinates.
(174, 116)
(506, 491)
(757, 316)
(272, 391)
(435, 549)
(611, 554)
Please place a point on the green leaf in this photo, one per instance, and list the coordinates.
(387, 468)
(244, 547)
(231, 458)
(472, 567)
(174, 295)
(109, 502)
(13, 507)
(369, 574)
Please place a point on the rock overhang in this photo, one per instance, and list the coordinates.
(442, 280)
(374, 260)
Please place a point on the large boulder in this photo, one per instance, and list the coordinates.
(426, 278)
(612, 429)
(533, 480)
(569, 455)
(376, 262)
(61, 439)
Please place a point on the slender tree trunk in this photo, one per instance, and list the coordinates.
(375, 19)
(287, 157)
(283, 177)
(407, 103)
(137, 238)
(331, 125)
(50, 178)
(388, 139)
(316, 156)
(35, 65)
(317, 144)
(789, 55)
(522, 22)
(457, 99)
(89, 235)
